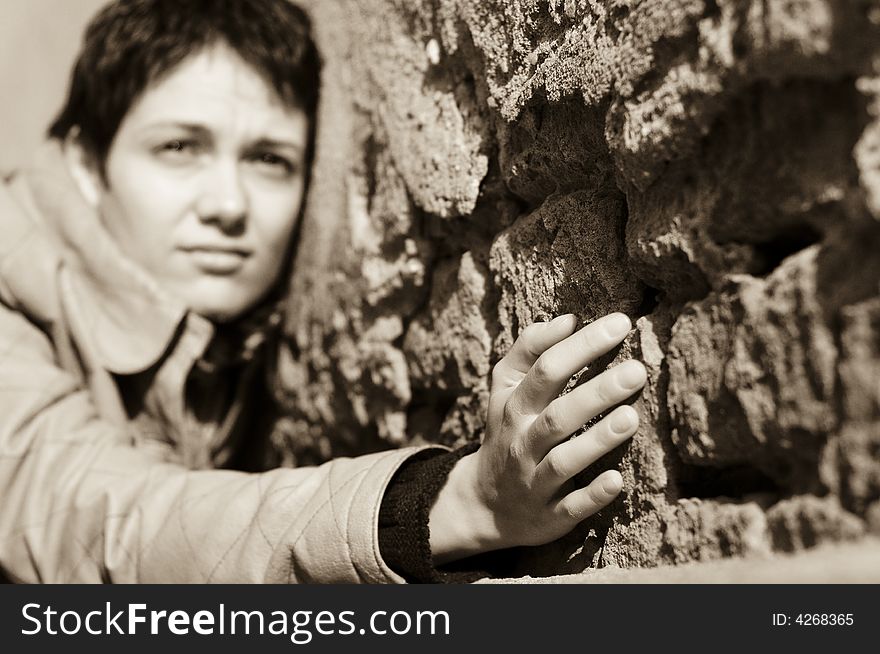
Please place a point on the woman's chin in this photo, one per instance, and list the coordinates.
(221, 309)
(217, 298)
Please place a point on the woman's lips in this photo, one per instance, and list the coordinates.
(215, 260)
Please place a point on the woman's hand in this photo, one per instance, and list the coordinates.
(517, 489)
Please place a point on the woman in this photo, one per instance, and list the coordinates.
(145, 249)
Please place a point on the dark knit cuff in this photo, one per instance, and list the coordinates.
(404, 536)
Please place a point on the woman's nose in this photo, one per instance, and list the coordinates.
(223, 198)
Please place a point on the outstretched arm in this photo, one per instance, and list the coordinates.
(79, 503)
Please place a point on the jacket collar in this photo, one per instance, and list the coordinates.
(132, 322)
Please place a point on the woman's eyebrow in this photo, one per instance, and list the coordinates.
(194, 129)
(278, 144)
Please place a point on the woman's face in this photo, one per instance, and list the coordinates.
(204, 182)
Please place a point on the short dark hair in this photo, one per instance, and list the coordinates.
(131, 44)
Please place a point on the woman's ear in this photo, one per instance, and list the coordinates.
(83, 167)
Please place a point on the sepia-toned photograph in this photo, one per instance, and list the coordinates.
(440, 292)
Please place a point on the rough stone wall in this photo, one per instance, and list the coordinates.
(709, 167)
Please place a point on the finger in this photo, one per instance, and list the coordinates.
(569, 458)
(531, 343)
(584, 502)
(568, 413)
(552, 369)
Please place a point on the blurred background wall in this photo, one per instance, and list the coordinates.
(38, 40)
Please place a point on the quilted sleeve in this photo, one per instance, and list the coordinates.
(78, 503)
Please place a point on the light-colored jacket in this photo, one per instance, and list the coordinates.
(92, 490)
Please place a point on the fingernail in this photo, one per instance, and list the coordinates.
(631, 375)
(612, 484)
(617, 325)
(621, 422)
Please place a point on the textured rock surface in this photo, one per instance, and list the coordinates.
(843, 563)
(710, 167)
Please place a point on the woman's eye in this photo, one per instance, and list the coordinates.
(177, 147)
(274, 163)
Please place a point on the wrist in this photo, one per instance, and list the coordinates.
(460, 523)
